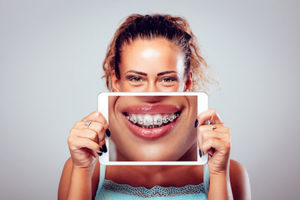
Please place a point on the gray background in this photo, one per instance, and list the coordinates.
(51, 56)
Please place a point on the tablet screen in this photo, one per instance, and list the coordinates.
(152, 128)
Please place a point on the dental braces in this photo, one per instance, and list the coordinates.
(149, 121)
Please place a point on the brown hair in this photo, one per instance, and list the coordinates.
(175, 29)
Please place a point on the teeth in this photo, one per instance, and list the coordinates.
(152, 121)
(133, 119)
(172, 117)
(165, 119)
(157, 120)
(148, 120)
(140, 119)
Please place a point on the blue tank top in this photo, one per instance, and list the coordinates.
(108, 189)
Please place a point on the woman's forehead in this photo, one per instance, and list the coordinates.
(155, 55)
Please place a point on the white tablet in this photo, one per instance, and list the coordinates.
(152, 128)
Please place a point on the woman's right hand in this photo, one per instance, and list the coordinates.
(85, 143)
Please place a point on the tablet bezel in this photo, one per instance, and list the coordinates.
(103, 108)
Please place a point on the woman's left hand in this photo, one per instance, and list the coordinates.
(214, 139)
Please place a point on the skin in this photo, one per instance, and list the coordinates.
(175, 145)
(147, 62)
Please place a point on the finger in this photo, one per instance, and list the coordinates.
(212, 134)
(95, 154)
(210, 115)
(219, 127)
(96, 116)
(199, 138)
(80, 142)
(101, 136)
(86, 133)
(214, 143)
(204, 135)
(98, 127)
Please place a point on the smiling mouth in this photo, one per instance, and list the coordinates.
(150, 121)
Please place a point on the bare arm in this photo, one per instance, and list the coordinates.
(80, 175)
(228, 178)
(72, 182)
(235, 187)
(220, 187)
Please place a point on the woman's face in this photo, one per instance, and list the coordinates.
(155, 65)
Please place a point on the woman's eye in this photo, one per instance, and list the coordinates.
(134, 78)
(169, 79)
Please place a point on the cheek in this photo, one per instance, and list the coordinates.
(175, 88)
(125, 87)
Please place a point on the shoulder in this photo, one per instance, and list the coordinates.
(239, 181)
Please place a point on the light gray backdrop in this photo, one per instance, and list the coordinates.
(51, 54)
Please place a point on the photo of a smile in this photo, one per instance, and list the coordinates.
(151, 121)
(153, 128)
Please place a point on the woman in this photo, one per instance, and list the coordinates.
(152, 54)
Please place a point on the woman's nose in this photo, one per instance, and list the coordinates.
(152, 87)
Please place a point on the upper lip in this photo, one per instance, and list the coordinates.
(151, 109)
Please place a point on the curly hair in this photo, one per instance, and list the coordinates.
(175, 29)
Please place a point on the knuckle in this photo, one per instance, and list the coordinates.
(94, 135)
(77, 124)
(70, 139)
(97, 114)
(90, 133)
(95, 146)
(199, 116)
(72, 148)
(71, 131)
(227, 129)
(228, 145)
(201, 129)
(101, 136)
(100, 126)
(101, 118)
(213, 110)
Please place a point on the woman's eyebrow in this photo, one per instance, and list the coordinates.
(166, 72)
(137, 72)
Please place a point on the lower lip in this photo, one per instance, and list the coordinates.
(149, 133)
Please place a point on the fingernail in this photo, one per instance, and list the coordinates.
(213, 150)
(103, 148)
(107, 131)
(99, 153)
(200, 153)
(196, 123)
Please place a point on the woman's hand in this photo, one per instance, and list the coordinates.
(85, 142)
(214, 139)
